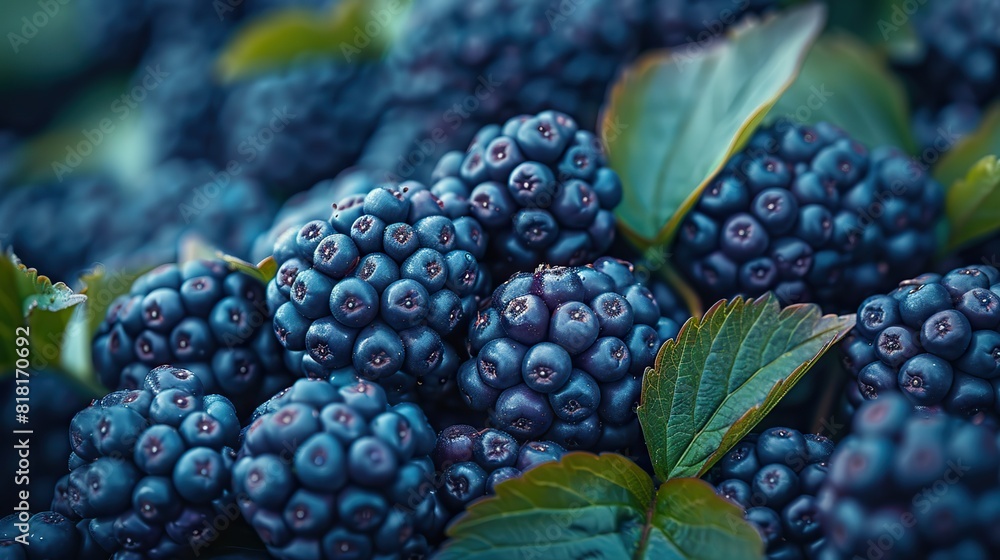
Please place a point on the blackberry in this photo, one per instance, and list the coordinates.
(671, 23)
(201, 316)
(379, 290)
(934, 338)
(326, 471)
(51, 536)
(802, 209)
(54, 400)
(308, 122)
(472, 462)
(150, 467)
(178, 115)
(559, 355)
(953, 72)
(101, 221)
(313, 204)
(540, 186)
(912, 483)
(775, 477)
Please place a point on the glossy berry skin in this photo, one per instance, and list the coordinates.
(559, 354)
(926, 478)
(379, 290)
(804, 208)
(936, 339)
(150, 467)
(541, 187)
(775, 476)
(331, 469)
(472, 462)
(201, 316)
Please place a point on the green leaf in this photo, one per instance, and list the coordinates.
(263, 271)
(712, 383)
(848, 84)
(967, 152)
(30, 301)
(353, 30)
(973, 203)
(676, 116)
(589, 506)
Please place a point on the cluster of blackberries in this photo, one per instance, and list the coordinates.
(540, 186)
(308, 122)
(803, 209)
(375, 290)
(150, 468)
(935, 338)
(913, 484)
(559, 354)
(775, 477)
(200, 316)
(471, 462)
(329, 473)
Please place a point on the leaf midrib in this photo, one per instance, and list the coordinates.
(688, 448)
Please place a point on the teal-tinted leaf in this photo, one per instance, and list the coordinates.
(884, 24)
(676, 116)
(352, 31)
(691, 521)
(589, 506)
(967, 152)
(712, 383)
(848, 84)
(32, 302)
(973, 203)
